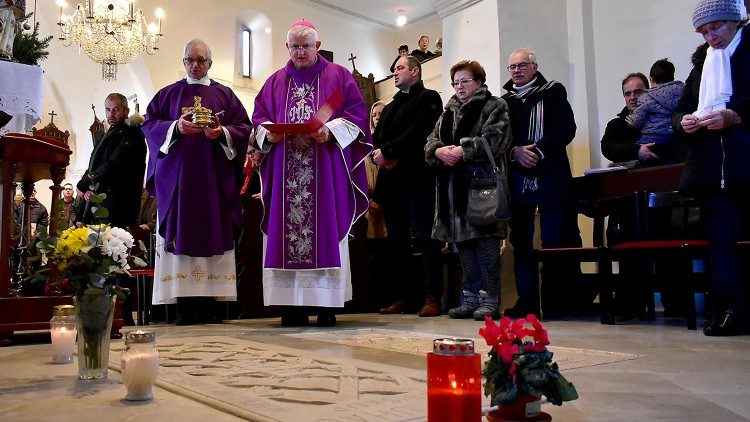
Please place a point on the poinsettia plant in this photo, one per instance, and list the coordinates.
(520, 363)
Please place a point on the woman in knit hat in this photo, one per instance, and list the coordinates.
(713, 119)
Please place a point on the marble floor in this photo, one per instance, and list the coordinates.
(680, 376)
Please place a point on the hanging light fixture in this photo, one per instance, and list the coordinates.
(110, 32)
(401, 17)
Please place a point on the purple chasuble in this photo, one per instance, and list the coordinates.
(312, 192)
(196, 186)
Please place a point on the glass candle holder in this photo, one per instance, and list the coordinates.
(62, 328)
(454, 382)
(140, 364)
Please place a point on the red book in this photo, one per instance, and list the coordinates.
(316, 121)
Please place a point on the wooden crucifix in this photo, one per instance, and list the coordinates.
(351, 59)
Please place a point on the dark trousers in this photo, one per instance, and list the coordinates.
(410, 214)
(480, 264)
(728, 224)
(559, 228)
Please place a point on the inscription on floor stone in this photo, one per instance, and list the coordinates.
(258, 381)
(418, 343)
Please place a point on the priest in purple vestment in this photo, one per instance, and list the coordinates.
(194, 170)
(314, 185)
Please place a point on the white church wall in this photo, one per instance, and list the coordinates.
(471, 34)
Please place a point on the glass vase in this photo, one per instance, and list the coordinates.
(94, 313)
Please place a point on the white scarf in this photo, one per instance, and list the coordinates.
(716, 78)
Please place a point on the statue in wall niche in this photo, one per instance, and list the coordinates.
(11, 11)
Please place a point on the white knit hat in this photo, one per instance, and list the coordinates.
(716, 10)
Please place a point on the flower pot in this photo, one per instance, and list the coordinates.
(94, 313)
(526, 408)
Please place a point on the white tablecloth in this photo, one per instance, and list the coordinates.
(20, 95)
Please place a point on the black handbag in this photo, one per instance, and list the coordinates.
(489, 198)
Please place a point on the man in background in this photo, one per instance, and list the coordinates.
(405, 187)
(540, 179)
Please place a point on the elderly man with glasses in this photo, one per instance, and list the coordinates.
(194, 171)
(313, 184)
(542, 124)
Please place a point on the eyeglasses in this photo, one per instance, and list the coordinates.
(637, 92)
(190, 60)
(519, 66)
(463, 82)
(295, 47)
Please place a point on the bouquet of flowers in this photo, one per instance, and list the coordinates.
(88, 258)
(88, 261)
(520, 363)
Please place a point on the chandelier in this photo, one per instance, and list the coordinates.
(110, 32)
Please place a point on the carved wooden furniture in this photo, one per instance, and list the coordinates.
(52, 131)
(25, 159)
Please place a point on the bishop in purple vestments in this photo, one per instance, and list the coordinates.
(314, 186)
(194, 173)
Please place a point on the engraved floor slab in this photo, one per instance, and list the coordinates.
(417, 343)
(264, 382)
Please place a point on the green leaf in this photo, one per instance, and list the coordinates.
(138, 262)
(100, 212)
(98, 198)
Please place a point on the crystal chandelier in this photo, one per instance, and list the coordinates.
(110, 32)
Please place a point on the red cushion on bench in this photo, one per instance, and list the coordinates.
(569, 249)
(662, 244)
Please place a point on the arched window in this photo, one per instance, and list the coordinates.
(247, 55)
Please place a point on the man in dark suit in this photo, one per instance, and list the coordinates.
(542, 125)
(405, 186)
(116, 168)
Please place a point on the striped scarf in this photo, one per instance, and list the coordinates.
(536, 118)
(536, 122)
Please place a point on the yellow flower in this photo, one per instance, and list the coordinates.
(69, 245)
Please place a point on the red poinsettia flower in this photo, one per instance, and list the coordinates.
(538, 333)
(490, 332)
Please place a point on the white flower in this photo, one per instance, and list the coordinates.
(123, 235)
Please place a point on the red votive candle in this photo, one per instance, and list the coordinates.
(454, 382)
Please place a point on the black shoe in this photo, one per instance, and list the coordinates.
(520, 310)
(212, 319)
(184, 320)
(294, 318)
(728, 324)
(326, 319)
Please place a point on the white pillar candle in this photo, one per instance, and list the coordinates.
(63, 344)
(139, 371)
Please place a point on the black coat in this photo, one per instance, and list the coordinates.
(402, 134)
(559, 129)
(620, 140)
(620, 145)
(117, 165)
(717, 159)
